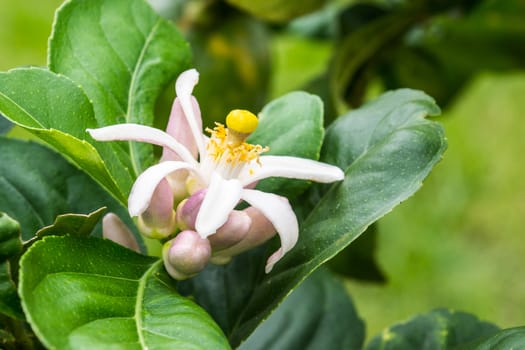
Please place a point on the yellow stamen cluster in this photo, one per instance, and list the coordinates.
(227, 143)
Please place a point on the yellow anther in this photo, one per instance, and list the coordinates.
(242, 121)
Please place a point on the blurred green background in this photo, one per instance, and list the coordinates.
(459, 241)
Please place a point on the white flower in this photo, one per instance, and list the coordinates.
(225, 165)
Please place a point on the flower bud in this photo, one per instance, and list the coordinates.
(232, 232)
(260, 231)
(114, 229)
(159, 221)
(188, 209)
(186, 255)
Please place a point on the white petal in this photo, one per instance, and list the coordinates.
(142, 133)
(290, 167)
(143, 188)
(220, 199)
(278, 210)
(184, 89)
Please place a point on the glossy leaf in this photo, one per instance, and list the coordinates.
(290, 125)
(387, 148)
(37, 185)
(60, 118)
(73, 224)
(122, 78)
(438, 329)
(512, 338)
(103, 295)
(319, 314)
(277, 10)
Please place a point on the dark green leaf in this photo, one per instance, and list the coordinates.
(512, 338)
(87, 293)
(73, 224)
(56, 110)
(290, 125)
(37, 185)
(357, 260)
(319, 314)
(360, 51)
(122, 54)
(436, 330)
(10, 240)
(277, 10)
(387, 148)
(9, 300)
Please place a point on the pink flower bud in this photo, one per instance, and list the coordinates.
(186, 255)
(114, 229)
(260, 231)
(159, 221)
(232, 232)
(188, 209)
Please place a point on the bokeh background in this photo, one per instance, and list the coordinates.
(460, 241)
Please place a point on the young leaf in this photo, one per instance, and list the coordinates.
(299, 118)
(438, 329)
(389, 148)
(37, 185)
(319, 314)
(73, 224)
(122, 54)
(88, 293)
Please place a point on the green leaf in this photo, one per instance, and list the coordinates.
(122, 54)
(438, 329)
(387, 148)
(10, 242)
(291, 125)
(357, 260)
(92, 294)
(37, 185)
(277, 10)
(9, 300)
(359, 52)
(319, 314)
(56, 110)
(512, 338)
(74, 224)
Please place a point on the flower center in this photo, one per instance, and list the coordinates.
(227, 147)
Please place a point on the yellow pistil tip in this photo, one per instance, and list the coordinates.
(242, 121)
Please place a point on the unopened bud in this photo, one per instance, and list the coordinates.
(188, 209)
(261, 230)
(186, 255)
(113, 228)
(158, 221)
(232, 232)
